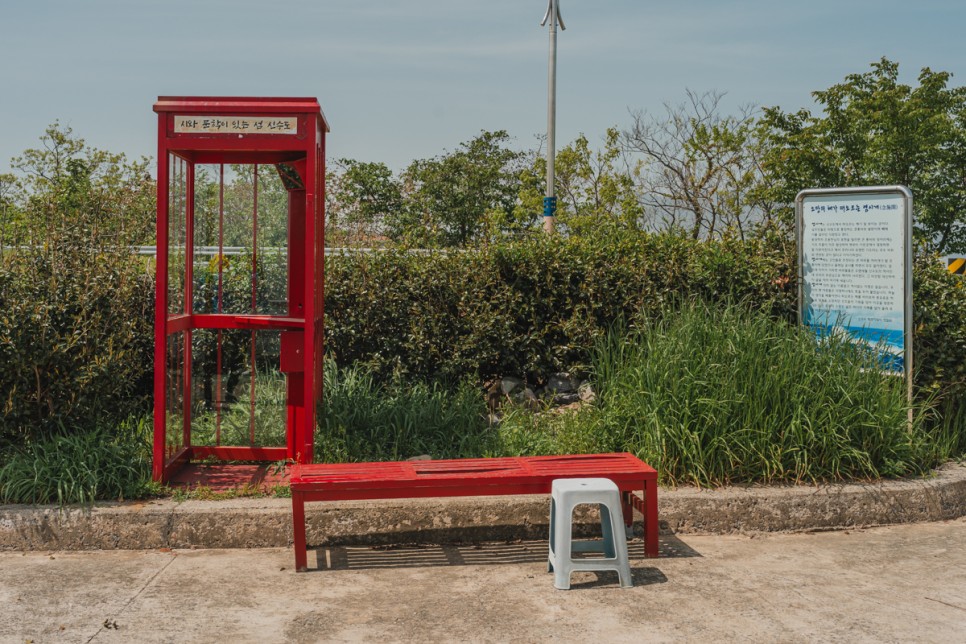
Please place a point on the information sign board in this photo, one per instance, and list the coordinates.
(855, 268)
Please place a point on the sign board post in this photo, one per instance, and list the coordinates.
(855, 268)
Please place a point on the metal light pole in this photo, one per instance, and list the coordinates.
(550, 200)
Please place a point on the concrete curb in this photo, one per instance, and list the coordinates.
(255, 523)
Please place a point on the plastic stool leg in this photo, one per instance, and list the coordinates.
(562, 544)
(619, 544)
(607, 532)
(550, 556)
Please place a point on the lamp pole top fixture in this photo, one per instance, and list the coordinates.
(553, 15)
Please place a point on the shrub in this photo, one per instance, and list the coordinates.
(939, 347)
(75, 339)
(530, 307)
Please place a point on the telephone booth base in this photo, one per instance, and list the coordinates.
(227, 478)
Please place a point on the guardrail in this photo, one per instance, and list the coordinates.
(241, 250)
(151, 251)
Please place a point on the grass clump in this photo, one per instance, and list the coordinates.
(947, 430)
(721, 395)
(239, 419)
(364, 420)
(707, 395)
(80, 467)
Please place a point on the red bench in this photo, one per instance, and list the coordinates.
(471, 477)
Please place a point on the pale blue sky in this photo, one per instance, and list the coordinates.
(405, 79)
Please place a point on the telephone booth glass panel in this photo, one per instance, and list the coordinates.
(177, 222)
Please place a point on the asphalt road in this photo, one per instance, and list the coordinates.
(891, 584)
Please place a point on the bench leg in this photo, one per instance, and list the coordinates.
(628, 508)
(650, 518)
(298, 525)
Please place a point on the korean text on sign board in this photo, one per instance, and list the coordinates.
(235, 125)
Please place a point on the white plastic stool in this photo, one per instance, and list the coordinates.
(567, 494)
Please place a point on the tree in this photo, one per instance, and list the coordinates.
(8, 191)
(700, 167)
(240, 198)
(593, 188)
(449, 200)
(76, 307)
(73, 189)
(877, 131)
(361, 197)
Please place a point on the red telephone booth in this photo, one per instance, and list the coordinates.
(238, 323)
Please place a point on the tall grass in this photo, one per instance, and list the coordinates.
(80, 467)
(362, 420)
(269, 416)
(947, 430)
(708, 396)
(720, 395)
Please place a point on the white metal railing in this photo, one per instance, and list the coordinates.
(241, 250)
(151, 251)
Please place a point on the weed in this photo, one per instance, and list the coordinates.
(362, 420)
(81, 467)
(721, 395)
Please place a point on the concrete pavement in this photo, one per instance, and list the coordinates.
(896, 583)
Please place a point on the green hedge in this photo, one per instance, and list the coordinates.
(536, 306)
(940, 332)
(75, 340)
(533, 307)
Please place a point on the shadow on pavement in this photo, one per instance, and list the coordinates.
(481, 554)
(640, 576)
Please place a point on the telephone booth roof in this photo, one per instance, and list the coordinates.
(240, 105)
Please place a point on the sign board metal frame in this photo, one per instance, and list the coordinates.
(856, 195)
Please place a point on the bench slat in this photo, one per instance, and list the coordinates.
(512, 470)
